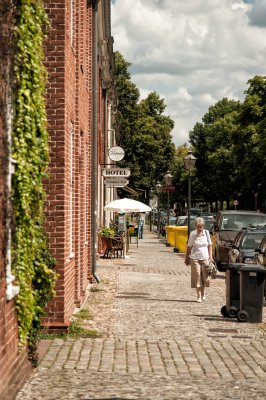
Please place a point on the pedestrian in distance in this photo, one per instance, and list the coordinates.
(198, 254)
(141, 226)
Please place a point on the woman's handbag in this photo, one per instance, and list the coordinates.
(211, 268)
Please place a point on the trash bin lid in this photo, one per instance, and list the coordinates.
(251, 268)
(232, 265)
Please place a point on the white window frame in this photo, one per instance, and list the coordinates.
(72, 22)
(71, 191)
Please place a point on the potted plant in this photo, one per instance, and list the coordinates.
(106, 232)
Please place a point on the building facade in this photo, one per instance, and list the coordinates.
(80, 104)
(80, 99)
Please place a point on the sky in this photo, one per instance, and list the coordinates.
(192, 53)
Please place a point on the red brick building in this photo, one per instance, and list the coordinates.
(80, 94)
(80, 100)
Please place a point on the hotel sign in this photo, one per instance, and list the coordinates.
(116, 172)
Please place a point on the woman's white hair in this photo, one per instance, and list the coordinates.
(199, 221)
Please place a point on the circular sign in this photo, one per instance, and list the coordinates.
(116, 153)
(235, 202)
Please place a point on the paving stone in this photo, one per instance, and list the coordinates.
(156, 341)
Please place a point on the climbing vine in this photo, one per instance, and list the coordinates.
(31, 262)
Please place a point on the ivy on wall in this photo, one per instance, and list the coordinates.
(31, 260)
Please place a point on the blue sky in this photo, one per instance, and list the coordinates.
(192, 53)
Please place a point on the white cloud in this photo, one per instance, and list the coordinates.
(192, 53)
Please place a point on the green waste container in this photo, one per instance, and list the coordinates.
(232, 284)
(252, 281)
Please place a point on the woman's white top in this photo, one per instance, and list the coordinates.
(199, 243)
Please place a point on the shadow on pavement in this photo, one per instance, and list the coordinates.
(153, 299)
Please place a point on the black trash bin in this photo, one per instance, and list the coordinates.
(232, 282)
(252, 281)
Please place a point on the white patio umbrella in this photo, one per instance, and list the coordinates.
(127, 205)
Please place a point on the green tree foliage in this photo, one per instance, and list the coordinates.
(146, 131)
(213, 147)
(128, 98)
(180, 178)
(250, 141)
(230, 145)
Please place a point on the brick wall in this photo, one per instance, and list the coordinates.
(69, 107)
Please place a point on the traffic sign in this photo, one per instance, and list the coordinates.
(108, 172)
(153, 203)
(169, 189)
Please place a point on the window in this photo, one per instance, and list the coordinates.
(71, 191)
(252, 241)
(72, 22)
(86, 225)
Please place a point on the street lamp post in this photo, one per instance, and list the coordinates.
(168, 180)
(158, 188)
(152, 212)
(189, 162)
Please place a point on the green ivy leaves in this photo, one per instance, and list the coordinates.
(32, 262)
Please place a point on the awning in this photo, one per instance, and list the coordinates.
(131, 191)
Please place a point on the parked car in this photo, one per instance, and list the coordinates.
(260, 253)
(260, 257)
(208, 224)
(197, 212)
(181, 220)
(208, 216)
(172, 221)
(245, 244)
(226, 226)
(184, 222)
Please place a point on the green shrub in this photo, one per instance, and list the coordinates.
(106, 232)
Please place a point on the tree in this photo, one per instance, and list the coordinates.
(180, 178)
(128, 97)
(250, 143)
(146, 132)
(213, 147)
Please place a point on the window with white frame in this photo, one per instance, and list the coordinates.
(72, 22)
(86, 191)
(71, 190)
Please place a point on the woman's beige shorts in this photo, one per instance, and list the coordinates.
(199, 275)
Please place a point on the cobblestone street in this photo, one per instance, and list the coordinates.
(156, 342)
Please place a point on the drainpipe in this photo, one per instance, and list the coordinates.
(94, 190)
(106, 133)
(11, 290)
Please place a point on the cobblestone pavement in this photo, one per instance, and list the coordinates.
(156, 341)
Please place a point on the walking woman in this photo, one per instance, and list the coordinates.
(199, 252)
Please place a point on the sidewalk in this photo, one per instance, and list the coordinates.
(156, 341)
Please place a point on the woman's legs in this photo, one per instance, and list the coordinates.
(198, 278)
(198, 290)
(202, 288)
